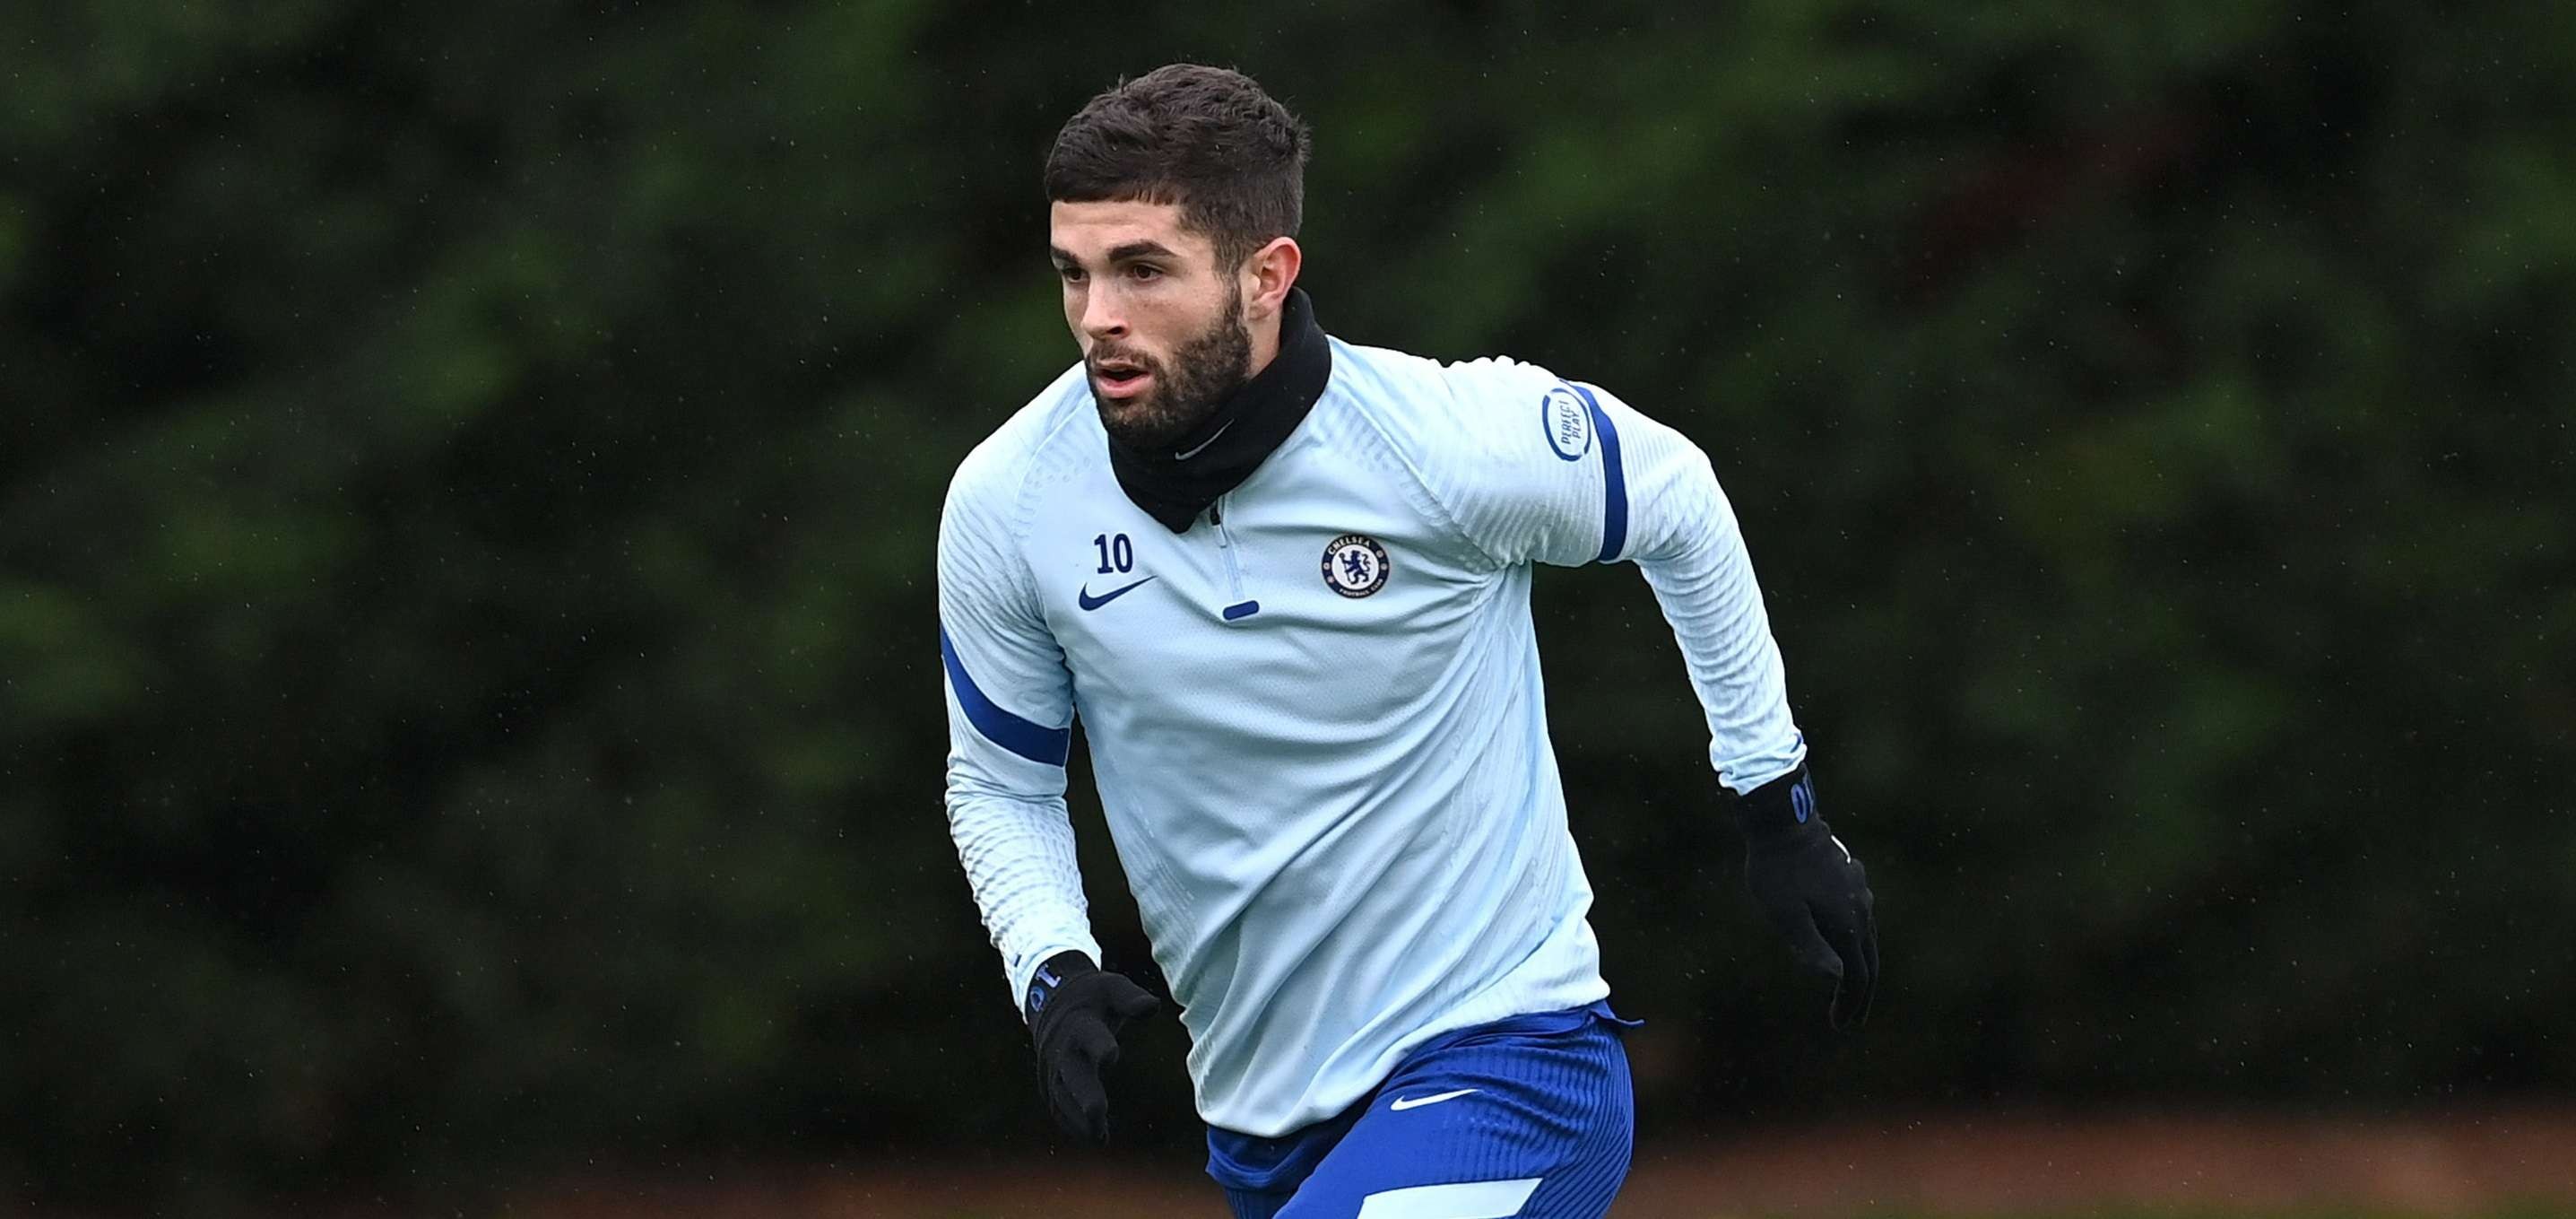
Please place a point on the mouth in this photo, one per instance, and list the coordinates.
(1120, 378)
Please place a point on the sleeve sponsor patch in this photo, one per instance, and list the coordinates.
(1568, 422)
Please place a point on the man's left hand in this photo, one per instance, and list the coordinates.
(1813, 891)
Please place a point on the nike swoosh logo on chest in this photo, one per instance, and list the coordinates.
(1089, 602)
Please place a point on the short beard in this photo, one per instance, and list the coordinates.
(1205, 372)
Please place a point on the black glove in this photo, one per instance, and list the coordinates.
(1812, 889)
(1075, 1011)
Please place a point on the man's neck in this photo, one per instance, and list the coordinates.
(1290, 372)
(1265, 342)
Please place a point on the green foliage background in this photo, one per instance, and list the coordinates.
(468, 700)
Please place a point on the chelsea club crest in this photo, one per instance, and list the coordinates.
(1355, 565)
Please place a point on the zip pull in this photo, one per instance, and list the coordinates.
(1243, 607)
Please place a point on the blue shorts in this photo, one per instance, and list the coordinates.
(1528, 1116)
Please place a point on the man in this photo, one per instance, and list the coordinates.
(1284, 581)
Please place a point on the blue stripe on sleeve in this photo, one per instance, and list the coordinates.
(1047, 746)
(1614, 479)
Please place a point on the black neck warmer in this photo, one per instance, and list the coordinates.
(1227, 446)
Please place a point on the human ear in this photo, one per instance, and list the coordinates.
(1269, 274)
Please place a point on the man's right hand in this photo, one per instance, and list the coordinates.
(1075, 1011)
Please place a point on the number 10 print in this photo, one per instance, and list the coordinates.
(1118, 551)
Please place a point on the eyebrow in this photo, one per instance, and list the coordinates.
(1131, 250)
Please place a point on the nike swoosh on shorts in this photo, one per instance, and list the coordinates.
(1403, 1103)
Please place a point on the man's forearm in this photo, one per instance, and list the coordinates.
(1019, 858)
(1703, 579)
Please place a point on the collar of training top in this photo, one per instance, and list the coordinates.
(1239, 435)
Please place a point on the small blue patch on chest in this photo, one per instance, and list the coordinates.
(1242, 609)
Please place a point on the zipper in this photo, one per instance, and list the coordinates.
(1240, 607)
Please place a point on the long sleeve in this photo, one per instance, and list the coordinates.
(1551, 471)
(1010, 716)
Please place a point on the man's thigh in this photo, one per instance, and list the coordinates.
(1488, 1126)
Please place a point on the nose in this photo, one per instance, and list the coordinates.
(1102, 318)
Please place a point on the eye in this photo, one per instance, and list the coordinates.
(1072, 275)
(1144, 272)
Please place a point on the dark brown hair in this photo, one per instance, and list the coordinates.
(1206, 139)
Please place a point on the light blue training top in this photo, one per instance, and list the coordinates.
(1316, 717)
